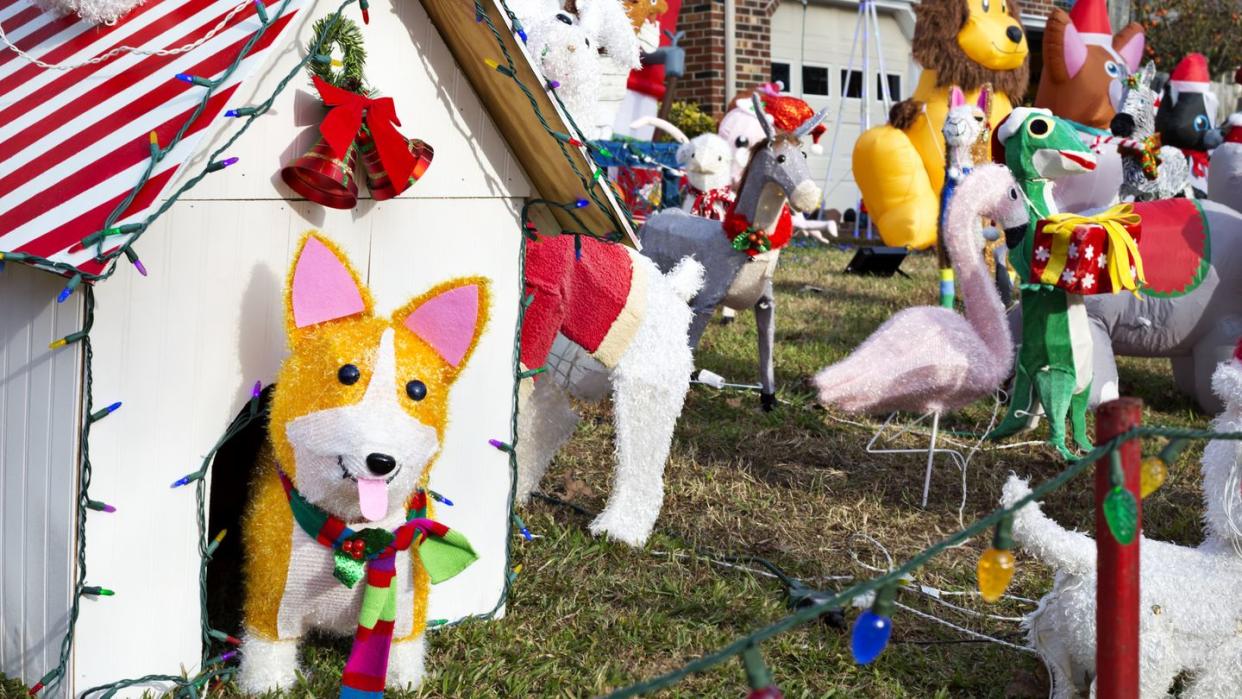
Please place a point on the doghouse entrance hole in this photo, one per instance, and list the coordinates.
(232, 472)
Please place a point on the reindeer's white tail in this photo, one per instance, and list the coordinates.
(1071, 552)
(686, 278)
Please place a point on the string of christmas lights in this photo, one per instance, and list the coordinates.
(873, 628)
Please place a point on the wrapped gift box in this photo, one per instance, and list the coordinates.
(1078, 261)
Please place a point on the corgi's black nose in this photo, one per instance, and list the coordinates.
(1014, 34)
(380, 464)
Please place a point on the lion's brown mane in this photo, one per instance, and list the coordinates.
(937, 23)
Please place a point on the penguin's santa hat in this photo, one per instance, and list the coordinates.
(1191, 76)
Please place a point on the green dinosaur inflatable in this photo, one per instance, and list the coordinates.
(1054, 362)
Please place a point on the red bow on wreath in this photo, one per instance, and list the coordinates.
(340, 128)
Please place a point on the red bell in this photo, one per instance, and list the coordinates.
(323, 178)
(378, 181)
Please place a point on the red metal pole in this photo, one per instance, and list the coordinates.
(1117, 585)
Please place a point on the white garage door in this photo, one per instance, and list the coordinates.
(811, 55)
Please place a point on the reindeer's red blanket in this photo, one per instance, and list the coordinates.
(597, 301)
(1175, 245)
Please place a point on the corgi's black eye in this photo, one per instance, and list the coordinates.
(348, 374)
(416, 389)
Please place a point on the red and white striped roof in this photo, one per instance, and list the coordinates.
(74, 143)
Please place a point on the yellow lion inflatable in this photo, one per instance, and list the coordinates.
(899, 167)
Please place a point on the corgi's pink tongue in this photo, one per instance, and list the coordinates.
(373, 498)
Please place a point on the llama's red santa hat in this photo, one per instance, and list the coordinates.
(1090, 18)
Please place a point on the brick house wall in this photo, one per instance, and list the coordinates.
(703, 22)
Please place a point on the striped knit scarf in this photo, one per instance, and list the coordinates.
(372, 553)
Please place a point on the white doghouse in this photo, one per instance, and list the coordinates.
(182, 347)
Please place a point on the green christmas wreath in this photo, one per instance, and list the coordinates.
(347, 37)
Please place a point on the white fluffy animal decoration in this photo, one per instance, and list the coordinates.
(566, 48)
(1190, 610)
(708, 163)
(609, 27)
(95, 11)
(603, 316)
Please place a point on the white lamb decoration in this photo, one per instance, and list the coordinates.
(706, 158)
(1191, 610)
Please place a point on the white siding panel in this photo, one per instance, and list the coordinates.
(406, 60)
(469, 471)
(39, 419)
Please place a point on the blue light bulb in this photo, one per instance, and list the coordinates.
(870, 636)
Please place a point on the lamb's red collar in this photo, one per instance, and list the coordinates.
(739, 230)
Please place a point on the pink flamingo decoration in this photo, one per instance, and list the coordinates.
(929, 359)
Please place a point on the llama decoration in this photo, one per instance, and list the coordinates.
(758, 223)
(899, 167)
(965, 127)
(1189, 608)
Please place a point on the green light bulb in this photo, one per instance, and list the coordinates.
(1121, 513)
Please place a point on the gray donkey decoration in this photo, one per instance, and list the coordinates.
(1135, 122)
(738, 254)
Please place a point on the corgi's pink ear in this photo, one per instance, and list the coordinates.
(449, 318)
(956, 98)
(322, 286)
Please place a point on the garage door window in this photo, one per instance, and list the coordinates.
(894, 86)
(815, 80)
(851, 83)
